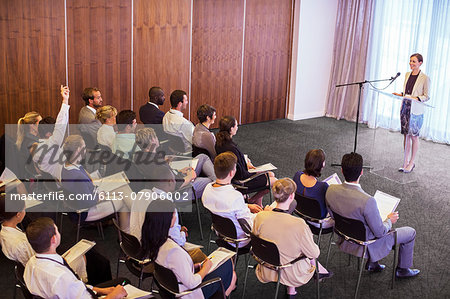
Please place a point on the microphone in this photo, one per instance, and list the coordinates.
(396, 76)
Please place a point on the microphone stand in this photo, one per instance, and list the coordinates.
(360, 83)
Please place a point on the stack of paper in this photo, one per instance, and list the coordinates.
(262, 168)
(386, 203)
(220, 256)
(78, 250)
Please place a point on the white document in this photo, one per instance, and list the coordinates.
(333, 180)
(190, 246)
(134, 292)
(386, 203)
(112, 182)
(220, 256)
(262, 168)
(78, 250)
(95, 175)
(178, 165)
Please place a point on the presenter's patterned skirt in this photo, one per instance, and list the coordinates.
(410, 123)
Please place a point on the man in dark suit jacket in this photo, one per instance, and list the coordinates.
(350, 200)
(149, 113)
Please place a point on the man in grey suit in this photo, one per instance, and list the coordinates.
(349, 200)
(89, 125)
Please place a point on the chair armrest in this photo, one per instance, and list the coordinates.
(252, 177)
(203, 284)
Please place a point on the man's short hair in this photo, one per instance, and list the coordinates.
(88, 94)
(352, 165)
(204, 111)
(14, 206)
(124, 118)
(48, 126)
(40, 232)
(71, 145)
(224, 163)
(176, 97)
(283, 188)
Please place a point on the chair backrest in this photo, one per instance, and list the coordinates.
(18, 271)
(166, 279)
(198, 150)
(130, 244)
(352, 228)
(224, 226)
(265, 250)
(308, 206)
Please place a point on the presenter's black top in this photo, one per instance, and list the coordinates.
(410, 84)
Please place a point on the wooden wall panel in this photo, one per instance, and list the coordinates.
(161, 48)
(99, 51)
(217, 56)
(266, 59)
(31, 58)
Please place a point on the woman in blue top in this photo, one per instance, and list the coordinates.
(308, 185)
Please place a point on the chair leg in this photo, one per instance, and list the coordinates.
(394, 266)
(100, 230)
(199, 218)
(245, 279)
(329, 248)
(237, 255)
(78, 227)
(278, 284)
(360, 271)
(317, 280)
(318, 237)
(140, 276)
(209, 241)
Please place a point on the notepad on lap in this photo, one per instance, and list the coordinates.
(78, 250)
(386, 203)
(265, 167)
(189, 246)
(220, 256)
(134, 292)
(112, 182)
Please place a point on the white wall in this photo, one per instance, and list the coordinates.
(312, 50)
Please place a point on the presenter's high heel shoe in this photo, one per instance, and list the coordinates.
(408, 171)
(401, 169)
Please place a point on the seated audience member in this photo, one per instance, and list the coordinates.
(149, 113)
(228, 127)
(150, 161)
(76, 181)
(124, 142)
(293, 239)
(202, 137)
(308, 185)
(174, 123)
(106, 134)
(48, 275)
(89, 125)
(48, 154)
(222, 199)
(164, 251)
(27, 133)
(349, 200)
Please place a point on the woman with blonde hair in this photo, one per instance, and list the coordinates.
(27, 132)
(106, 134)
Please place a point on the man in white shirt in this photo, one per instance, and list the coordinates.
(86, 118)
(48, 154)
(222, 199)
(174, 123)
(47, 274)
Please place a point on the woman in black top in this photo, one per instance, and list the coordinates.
(228, 127)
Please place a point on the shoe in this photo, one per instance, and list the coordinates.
(291, 296)
(408, 171)
(401, 169)
(404, 273)
(374, 267)
(323, 276)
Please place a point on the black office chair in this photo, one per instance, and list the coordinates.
(198, 150)
(354, 231)
(18, 271)
(226, 231)
(169, 287)
(309, 209)
(267, 255)
(197, 202)
(239, 185)
(136, 259)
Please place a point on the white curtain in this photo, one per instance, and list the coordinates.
(401, 28)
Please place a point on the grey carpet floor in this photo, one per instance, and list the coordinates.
(424, 205)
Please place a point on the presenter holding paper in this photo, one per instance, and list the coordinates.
(415, 91)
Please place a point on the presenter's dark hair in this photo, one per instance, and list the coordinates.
(14, 206)
(352, 166)
(40, 232)
(314, 162)
(418, 56)
(176, 97)
(224, 163)
(155, 229)
(124, 118)
(88, 94)
(204, 111)
(225, 125)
